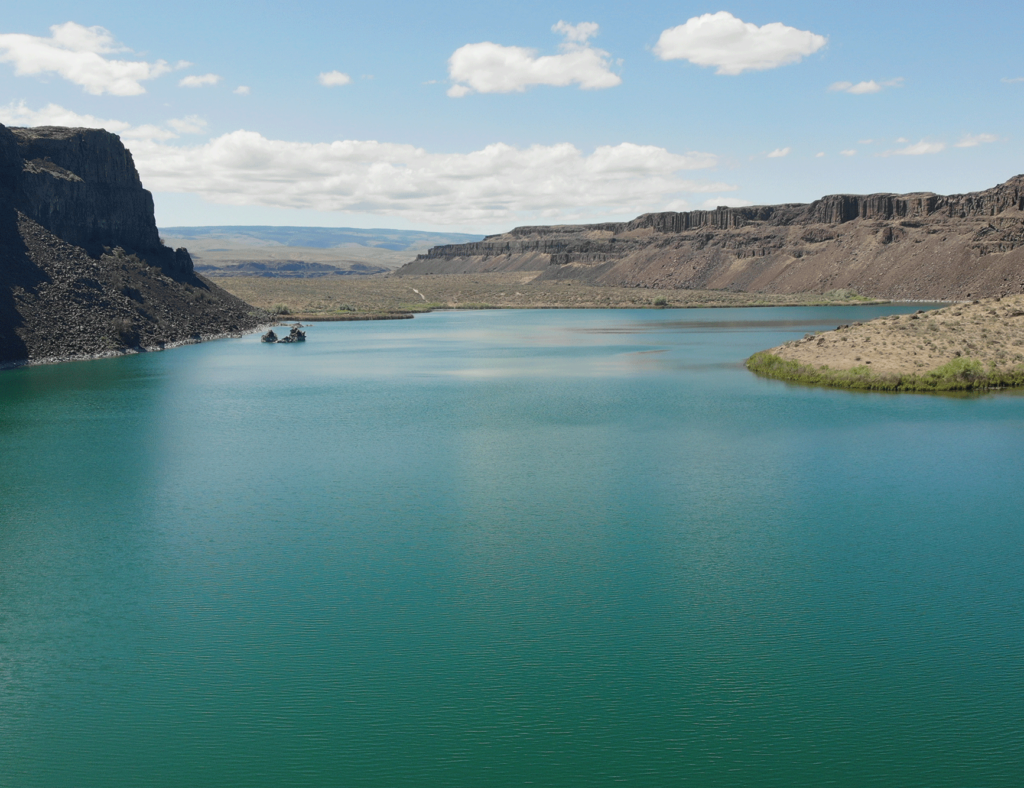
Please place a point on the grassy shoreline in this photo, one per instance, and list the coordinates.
(961, 374)
(961, 347)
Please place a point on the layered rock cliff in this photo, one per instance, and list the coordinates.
(82, 267)
(917, 246)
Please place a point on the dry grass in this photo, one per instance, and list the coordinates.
(481, 291)
(990, 332)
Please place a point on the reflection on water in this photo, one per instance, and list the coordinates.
(470, 549)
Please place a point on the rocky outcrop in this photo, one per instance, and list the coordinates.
(82, 268)
(883, 245)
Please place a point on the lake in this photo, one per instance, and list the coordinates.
(496, 548)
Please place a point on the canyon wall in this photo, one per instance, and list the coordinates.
(83, 271)
(915, 246)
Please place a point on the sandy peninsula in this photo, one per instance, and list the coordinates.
(964, 346)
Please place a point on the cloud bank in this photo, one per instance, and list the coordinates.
(733, 46)
(492, 68)
(76, 53)
(18, 114)
(497, 184)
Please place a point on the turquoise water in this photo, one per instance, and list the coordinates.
(558, 548)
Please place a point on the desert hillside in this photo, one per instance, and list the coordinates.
(910, 246)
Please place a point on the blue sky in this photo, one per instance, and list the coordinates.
(479, 117)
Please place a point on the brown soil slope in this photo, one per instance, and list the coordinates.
(911, 246)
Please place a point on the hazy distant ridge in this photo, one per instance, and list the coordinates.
(321, 237)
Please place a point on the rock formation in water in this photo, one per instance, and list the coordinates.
(913, 246)
(83, 271)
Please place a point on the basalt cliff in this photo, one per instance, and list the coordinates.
(83, 271)
(908, 246)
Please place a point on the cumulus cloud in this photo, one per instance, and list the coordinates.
(576, 34)
(17, 113)
(921, 148)
(724, 202)
(498, 184)
(779, 153)
(733, 46)
(492, 68)
(333, 79)
(194, 81)
(863, 88)
(241, 90)
(973, 140)
(193, 124)
(820, 155)
(850, 152)
(76, 53)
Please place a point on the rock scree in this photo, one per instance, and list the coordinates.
(83, 272)
(892, 246)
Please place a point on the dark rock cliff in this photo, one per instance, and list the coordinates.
(884, 245)
(82, 268)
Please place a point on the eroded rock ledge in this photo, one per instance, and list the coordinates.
(911, 246)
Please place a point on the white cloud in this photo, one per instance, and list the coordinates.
(576, 34)
(492, 68)
(18, 114)
(779, 153)
(1012, 80)
(241, 90)
(848, 152)
(862, 88)
(500, 183)
(734, 46)
(333, 79)
(865, 142)
(917, 149)
(859, 89)
(76, 53)
(199, 81)
(973, 140)
(193, 124)
(820, 155)
(724, 202)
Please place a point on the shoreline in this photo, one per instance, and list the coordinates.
(961, 375)
(48, 360)
(777, 372)
(975, 346)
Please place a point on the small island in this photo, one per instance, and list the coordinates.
(961, 347)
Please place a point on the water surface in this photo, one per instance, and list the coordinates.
(558, 548)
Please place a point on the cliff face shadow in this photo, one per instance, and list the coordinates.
(17, 271)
